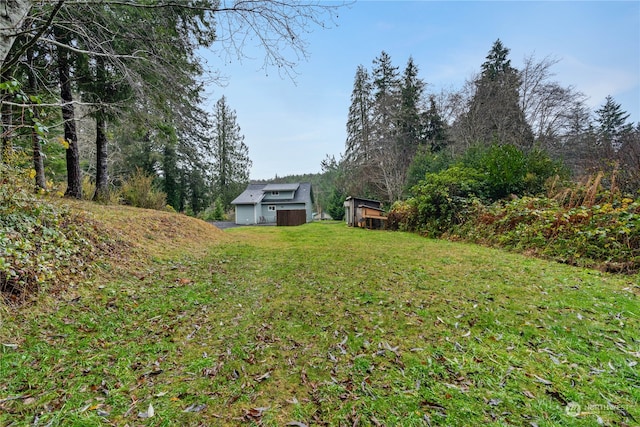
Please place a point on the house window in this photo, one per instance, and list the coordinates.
(271, 208)
(275, 193)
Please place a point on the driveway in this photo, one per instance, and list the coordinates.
(223, 225)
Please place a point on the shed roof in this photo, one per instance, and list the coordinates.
(359, 202)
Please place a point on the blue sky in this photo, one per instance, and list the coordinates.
(291, 126)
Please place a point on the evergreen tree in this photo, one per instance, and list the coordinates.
(497, 64)
(385, 170)
(495, 113)
(386, 90)
(612, 123)
(231, 155)
(409, 123)
(335, 204)
(358, 142)
(434, 128)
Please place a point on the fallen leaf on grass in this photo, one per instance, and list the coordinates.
(150, 412)
(254, 414)
(528, 394)
(263, 377)
(195, 408)
(391, 349)
(441, 410)
(213, 371)
(542, 380)
(558, 396)
(29, 401)
(296, 423)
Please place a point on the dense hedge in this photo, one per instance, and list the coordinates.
(605, 234)
(488, 197)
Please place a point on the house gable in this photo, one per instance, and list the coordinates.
(280, 192)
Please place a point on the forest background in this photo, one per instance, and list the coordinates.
(86, 113)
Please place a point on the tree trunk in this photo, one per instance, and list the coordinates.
(5, 140)
(12, 14)
(38, 158)
(74, 180)
(102, 177)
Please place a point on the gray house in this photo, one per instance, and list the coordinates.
(279, 204)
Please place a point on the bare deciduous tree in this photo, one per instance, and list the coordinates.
(546, 104)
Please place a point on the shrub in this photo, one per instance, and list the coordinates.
(442, 199)
(606, 234)
(424, 162)
(88, 188)
(511, 171)
(140, 192)
(215, 212)
(403, 216)
(506, 169)
(541, 169)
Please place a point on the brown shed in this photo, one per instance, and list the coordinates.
(364, 213)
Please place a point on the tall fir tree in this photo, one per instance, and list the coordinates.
(358, 141)
(495, 114)
(409, 120)
(386, 91)
(231, 154)
(384, 171)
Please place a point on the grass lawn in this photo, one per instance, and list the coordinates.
(325, 325)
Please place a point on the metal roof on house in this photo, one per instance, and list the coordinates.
(256, 192)
(281, 187)
(252, 195)
(303, 193)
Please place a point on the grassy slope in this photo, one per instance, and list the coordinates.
(320, 324)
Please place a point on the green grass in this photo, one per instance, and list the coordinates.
(328, 325)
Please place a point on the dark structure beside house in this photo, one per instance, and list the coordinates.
(364, 213)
